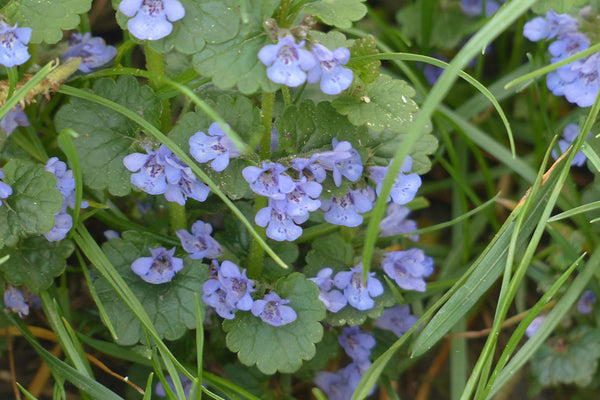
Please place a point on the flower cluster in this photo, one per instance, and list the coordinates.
(151, 18)
(408, 268)
(13, 40)
(290, 64)
(160, 268)
(63, 222)
(578, 81)
(93, 51)
(291, 200)
(5, 189)
(228, 291)
(340, 385)
(162, 172)
(570, 132)
(215, 146)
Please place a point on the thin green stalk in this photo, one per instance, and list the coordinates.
(257, 254)
(155, 65)
(284, 9)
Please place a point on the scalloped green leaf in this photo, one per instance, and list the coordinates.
(46, 18)
(30, 209)
(309, 127)
(284, 347)
(36, 262)
(559, 6)
(569, 361)
(386, 104)
(235, 62)
(105, 136)
(367, 71)
(330, 251)
(338, 13)
(205, 21)
(171, 306)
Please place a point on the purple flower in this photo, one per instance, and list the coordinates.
(549, 27)
(15, 301)
(236, 285)
(93, 51)
(273, 311)
(344, 160)
(408, 268)
(13, 119)
(152, 17)
(199, 243)
(269, 181)
(5, 189)
(152, 167)
(214, 296)
(397, 319)
(162, 172)
(159, 268)
(309, 168)
(405, 185)
(345, 210)
(356, 292)
(570, 133)
(12, 44)
(585, 305)
(302, 200)
(229, 290)
(186, 382)
(334, 78)
(186, 185)
(395, 222)
(215, 146)
(333, 299)
(356, 343)
(287, 61)
(535, 325)
(280, 226)
(63, 222)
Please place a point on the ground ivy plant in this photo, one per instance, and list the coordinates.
(223, 198)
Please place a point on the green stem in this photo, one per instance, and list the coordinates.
(284, 9)
(257, 253)
(155, 64)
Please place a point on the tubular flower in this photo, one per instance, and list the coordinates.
(151, 18)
